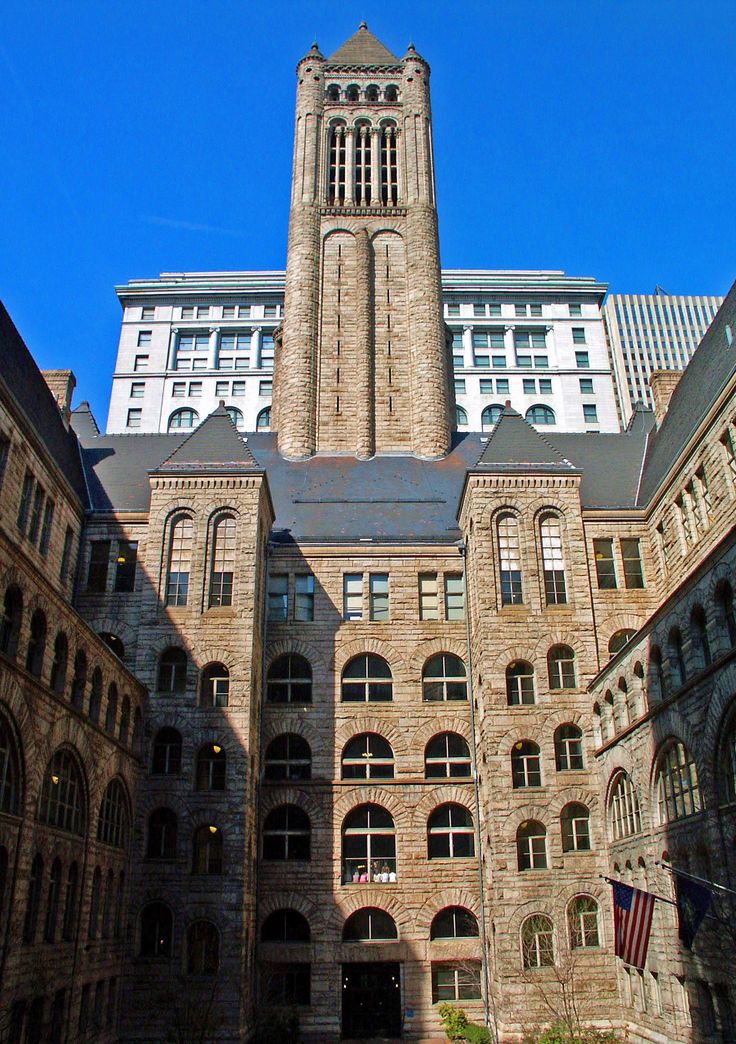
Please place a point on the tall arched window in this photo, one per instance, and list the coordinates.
(454, 922)
(368, 756)
(172, 670)
(288, 757)
(235, 415)
(33, 899)
(111, 711)
(531, 846)
(461, 417)
(10, 763)
(537, 942)
(36, 644)
(526, 766)
(519, 683)
(52, 901)
(183, 419)
(124, 726)
(286, 926)
(619, 639)
(369, 845)
(94, 903)
(362, 162)
(367, 678)
(181, 539)
(389, 165)
(575, 827)
(369, 925)
(623, 808)
(207, 850)
(62, 800)
(289, 680)
(553, 561)
(263, 420)
(107, 902)
(728, 762)
(509, 555)
(336, 150)
(203, 948)
(582, 922)
(450, 833)
(540, 415)
(561, 667)
(157, 930)
(568, 748)
(443, 678)
(678, 671)
(214, 687)
(491, 415)
(724, 602)
(447, 756)
(678, 793)
(701, 642)
(211, 768)
(11, 622)
(79, 680)
(287, 834)
(162, 833)
(223, 561)
(332, 93)
(166, 760)
(95, 696)
(71, 901)
(57, 681)
(113, 826)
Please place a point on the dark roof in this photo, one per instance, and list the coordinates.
(83, 421)
(23, 379)
(214, 443)
(515, 445)
(363, 49)
(710, 369)
(117, 468)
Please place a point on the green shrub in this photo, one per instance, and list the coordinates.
(559, 1033)
(458, 1027)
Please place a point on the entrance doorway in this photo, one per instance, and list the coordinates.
(371, 1000)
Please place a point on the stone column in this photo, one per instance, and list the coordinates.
(213, 346)
(364, 401)
(375, 166)
(349, 166)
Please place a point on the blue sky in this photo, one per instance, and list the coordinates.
(141, 137)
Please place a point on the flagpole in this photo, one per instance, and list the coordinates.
(693, 877)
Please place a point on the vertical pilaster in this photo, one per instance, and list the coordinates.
(365, 444)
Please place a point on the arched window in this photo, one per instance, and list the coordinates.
(183, 419)
(288, 757)
(52, 901)
(450, 833)
(263, 420)
(203, 948)
(352, 94)
(509, 555)
(62, 801)
(371, 93)
(286, 926)
(211, 767)
(619, 639)
(678, 793)
(369, 925)
(367, 678)
(223, 560)
(166, 760)
(57, 681)
(162, 831)
(119, 906)
(447, 756)
(582, 922)
(111, 711)
(95, 696)
(678, 672)
(207, 850)
(36, 644)
(568, 748)
(333, 93)
(526, 766)
(289, 680)
(137, 731)
(391, 93)
(113, 643)
(235, 416)
(11, 622)
(540, 415)
(561, 667)
(389, 162)
(368, 756)
(107, 904)
(124, 726)
(369, 845)
(461, 417)
(701, 641)
(575, 826)
(724, 602)
(623, 808)
(519, 683)
(113, 826)
(69, 923)
(157, 930)
(10, 762)
(94, 903)
(181, 539)
(443, 678)
(363, 158)
(287, 834)
(172, 670)
(728, 762)
(657, 669)
(33, 899)
(454, 922)
(79, 680)
(531, 846)
(537, 946)
(214, 687)
(553, 561)
(336, 151)
(491, 415)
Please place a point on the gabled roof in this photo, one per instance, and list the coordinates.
(83, 421)
(215, 443)
(514, 445)
(363, 49)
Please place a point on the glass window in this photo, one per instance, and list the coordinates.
(285, 926)
(623, 808)
(578, 335)
(369, 846)
(263, 420)
(531, 846)
(586, 385)
(211, 771)
(62, 800)
(461, 417)
(162, 834)
(288, 757)
(207, 850)
(678, 792)
(289, 680)
(455, 981)
(99, 557)
(568, 748)
(561, 667)
(287, 834)
(352, 588)
(214, 687)
(510, 560)
(57, 679)
(125, 563)
(447, 756)
(502, 384)
(33, 900)
(486, 386)
(369, 925)
(180, 560)
(443, 678)
(113, 825)
(619, 640)
(9, 771)
(166, 759)
(460, 386)
(450, 833)
(368, 756)
(157, 930)
(526, 765)
(304, 597)
(590, 413)
(278, 597)
(604, 564)
(582, 360)
(183, 419)
(367, 678)
(574, 309)
(540, 415)
(631, 554)
(519, 683)
(203, 948)
(378, 596)
(553, 561)
(286, 985)
(537, 942)
(454, 922)
(223, 562)
(140, 363)
(454, 597)
(429, 606)
(172, 671)
(575, 825)
(490, 416)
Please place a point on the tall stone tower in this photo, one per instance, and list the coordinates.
(363, 366)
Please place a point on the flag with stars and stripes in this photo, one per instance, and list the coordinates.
(632, 922)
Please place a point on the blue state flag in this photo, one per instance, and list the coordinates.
(693, 903)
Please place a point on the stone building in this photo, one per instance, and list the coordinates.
(388, 704)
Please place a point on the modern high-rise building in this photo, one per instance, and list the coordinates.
(649, 332)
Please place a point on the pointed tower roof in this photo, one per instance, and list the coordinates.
(514, 445)
(215, 444)
(363, 49)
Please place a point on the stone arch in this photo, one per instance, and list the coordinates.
(449, 794)
(459, 896)
(278, 900)
(388, 730)
(284, 647)
(372, 795)
(286, 795)
(434, 726)
(380, 898)
(381, 648)
(425, 650)
(275, 725)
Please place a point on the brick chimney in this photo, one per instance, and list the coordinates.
(61, 384)
(663, 384)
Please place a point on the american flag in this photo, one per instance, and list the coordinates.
(632, 922)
